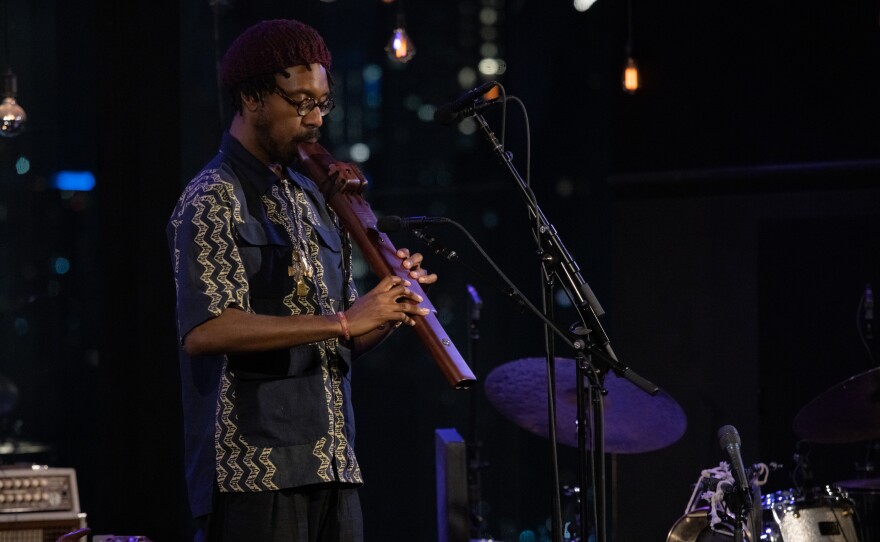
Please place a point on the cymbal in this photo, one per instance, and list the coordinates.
(22, 447)
(847, 412)
(634, 421)
(858, 484)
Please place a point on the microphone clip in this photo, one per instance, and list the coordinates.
(437, 247)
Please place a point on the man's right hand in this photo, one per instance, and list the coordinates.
(390, 301)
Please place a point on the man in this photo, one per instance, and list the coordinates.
(268, 317)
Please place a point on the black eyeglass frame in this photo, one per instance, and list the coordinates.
(304, 107)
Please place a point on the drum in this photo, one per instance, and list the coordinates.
(694, 527)
(865, 494)
(823, 515)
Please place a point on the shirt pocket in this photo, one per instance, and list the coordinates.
(277, 412)
(266, 257)
(329, 237)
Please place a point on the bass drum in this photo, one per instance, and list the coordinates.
(825, 515)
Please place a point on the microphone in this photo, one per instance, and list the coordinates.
(389, 224)
(465, 105)
(729, 439)
(469, 111)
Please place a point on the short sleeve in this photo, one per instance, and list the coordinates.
(208, 272)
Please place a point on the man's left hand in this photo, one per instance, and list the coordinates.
(413, 264)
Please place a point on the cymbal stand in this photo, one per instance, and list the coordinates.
(590, 387)
(550, 349)
(475, 464)
(556, 260)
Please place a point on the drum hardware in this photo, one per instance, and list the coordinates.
(824, 514)
(632, 421)
(739, 498)
(710, 515)
(635, 422)
(571, 516)
(865, 496)
(847, 412)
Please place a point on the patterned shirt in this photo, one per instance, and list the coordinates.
(268, 420)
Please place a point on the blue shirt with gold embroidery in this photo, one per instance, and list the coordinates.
(268, 420)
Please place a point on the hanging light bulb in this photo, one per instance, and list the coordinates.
(12, 116)
(400, 47)
(583, 5)
(631, 70)
(630, 76)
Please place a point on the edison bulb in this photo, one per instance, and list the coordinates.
(12, 118)
(630, 76)
(400, 47)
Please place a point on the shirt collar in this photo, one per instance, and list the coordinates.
(252, 169)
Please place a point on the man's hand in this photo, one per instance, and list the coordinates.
(413, 264)
(390, 301)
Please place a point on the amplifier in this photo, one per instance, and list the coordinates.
(38, 504)
(37, 489)
(32, 529)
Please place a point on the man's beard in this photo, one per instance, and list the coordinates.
(283, 152)
(312, 134)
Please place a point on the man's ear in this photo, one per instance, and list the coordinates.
(250, 103)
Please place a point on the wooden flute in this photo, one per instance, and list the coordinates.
(343, 185)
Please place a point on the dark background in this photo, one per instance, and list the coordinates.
(726, 216)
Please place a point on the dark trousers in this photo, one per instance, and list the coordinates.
(315, 514)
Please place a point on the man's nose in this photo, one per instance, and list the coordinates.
(314, 118)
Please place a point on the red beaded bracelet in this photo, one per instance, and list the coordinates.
(344, 323)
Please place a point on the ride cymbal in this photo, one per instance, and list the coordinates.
(634, 421)
(847, 412)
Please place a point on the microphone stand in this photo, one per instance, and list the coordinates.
(474, 446)
(574, 343)
(557, 261)
(741, 502)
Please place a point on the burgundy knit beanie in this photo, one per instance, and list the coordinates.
(269, 47)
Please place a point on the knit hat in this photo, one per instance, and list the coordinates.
(269, 47)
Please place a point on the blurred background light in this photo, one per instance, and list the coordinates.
(426, 112)
(61, 265)
(467, 77)
(360, 152)
(22, 165)
(82, 181)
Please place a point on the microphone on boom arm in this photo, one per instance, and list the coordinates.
(466, 105)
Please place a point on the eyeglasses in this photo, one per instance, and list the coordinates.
(306, 106)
